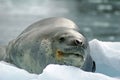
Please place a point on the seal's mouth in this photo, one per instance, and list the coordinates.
(60, 54)
(70, 58)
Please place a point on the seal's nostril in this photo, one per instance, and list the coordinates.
(78, 42)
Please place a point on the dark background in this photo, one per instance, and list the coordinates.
(96, 18)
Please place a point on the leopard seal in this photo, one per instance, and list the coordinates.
(50, 41)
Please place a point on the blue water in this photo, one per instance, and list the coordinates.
(94, 19)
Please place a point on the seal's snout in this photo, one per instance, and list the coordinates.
(77, 42)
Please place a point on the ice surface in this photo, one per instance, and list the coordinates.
(58, 72)
(105, 54)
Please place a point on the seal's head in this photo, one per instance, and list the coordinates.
(69, 48)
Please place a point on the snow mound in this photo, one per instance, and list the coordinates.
(105, 54)
(107, 57)
(58, 72)
(51, 72)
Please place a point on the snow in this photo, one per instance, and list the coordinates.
(105, 54)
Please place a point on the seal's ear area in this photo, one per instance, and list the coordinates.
(94, 67)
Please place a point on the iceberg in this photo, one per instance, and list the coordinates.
(105, 54)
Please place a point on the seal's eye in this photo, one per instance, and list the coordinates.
(61, 39)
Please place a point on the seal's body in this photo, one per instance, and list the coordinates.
(50, 41)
